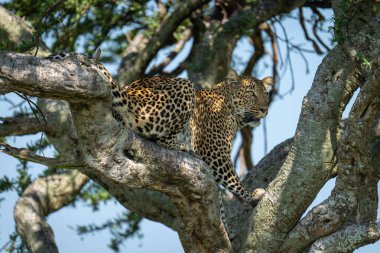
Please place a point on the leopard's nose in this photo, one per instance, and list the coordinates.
(263, 110)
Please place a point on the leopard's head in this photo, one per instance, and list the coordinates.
(250, 97)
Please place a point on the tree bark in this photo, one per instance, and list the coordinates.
(177, 188)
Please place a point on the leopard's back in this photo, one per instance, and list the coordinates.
(157, 107)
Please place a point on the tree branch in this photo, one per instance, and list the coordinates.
(310, 163)
(42, 197)
(16, 126)
(322, 220)
(159, 39)
(157, 69)
(348, 239)
(332, 214)
(184, 179)
(26, 154)
(315, 141)
(16, 30)
(73, 79)
(263, 173)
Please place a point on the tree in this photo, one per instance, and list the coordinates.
(73, 110)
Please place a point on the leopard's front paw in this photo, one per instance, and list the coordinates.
(257, 194)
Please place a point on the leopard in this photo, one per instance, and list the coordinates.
(171, 112)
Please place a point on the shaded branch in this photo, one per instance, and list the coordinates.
(258, 45)
(26, 154)
(318, 3)
(157, 41)
(222, 37)
(42, 197)
(16, 126)
(305, 32)
(320, 18)
(157, 69)
(15, 30)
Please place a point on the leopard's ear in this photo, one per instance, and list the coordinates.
(268, 83)
(233, 78)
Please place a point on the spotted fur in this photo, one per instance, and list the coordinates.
(169, 111)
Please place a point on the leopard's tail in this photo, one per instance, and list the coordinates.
(118, 97)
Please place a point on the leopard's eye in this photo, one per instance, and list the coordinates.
(251, 93)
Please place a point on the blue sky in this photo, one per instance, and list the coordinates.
(281, 124)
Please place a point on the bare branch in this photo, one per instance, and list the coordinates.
(26, 154)
(16, 126)
(258, 45)
(307, 37)
(315, 26)
(157, 69)
(159, 39)
(348, 239)
(275, 50)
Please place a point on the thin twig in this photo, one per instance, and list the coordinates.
(288, 58)
(48, 11)
(265, 136)
(258, 45)
(307, 37)
(157, 69)
(320, 18)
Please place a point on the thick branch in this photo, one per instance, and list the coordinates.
(15, 30)
(322, 220)
(16, 126)
(73, 79)
(355, 173)
(42, 197)
(296, 184)
(348, 239)
(311, 160)
(263, 173)
(122, 158)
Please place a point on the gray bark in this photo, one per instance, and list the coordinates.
(178, 189)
